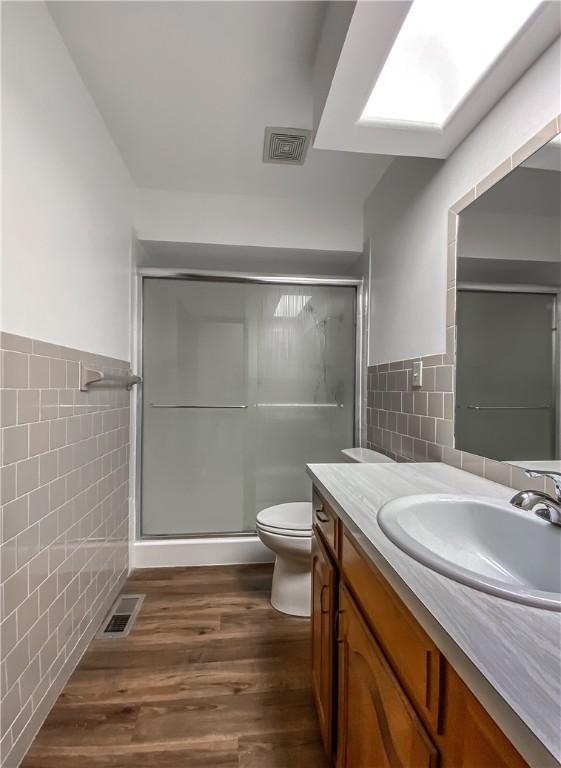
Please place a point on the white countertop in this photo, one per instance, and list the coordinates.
(508, 654)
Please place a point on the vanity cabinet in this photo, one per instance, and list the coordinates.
(386, 697)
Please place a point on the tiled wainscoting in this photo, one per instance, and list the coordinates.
(411, 424)
(64, 549)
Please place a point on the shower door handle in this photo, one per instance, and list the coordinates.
(507, 407)
(211, 407)
(299, 405)
(258, 405)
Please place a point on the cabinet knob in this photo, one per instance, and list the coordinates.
(321, 515)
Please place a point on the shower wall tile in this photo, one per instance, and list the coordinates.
(64, 522)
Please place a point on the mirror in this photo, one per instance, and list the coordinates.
(508, 306)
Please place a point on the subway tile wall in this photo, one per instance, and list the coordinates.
(411, 424)
(64, 523)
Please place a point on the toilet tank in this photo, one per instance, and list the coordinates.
(365, 456)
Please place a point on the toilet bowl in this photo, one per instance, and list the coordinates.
(286, 529)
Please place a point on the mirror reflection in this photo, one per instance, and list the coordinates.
(508, 305)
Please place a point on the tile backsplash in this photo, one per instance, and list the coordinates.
(411, 423)
(64, 523)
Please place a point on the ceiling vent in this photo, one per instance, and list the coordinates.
(286, 145)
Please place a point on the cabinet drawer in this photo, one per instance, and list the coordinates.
(409, 649)
(326, 522)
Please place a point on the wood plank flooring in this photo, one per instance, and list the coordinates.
(210, 676)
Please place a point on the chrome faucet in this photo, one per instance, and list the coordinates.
(549, 507)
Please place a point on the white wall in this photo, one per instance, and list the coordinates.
(66, 197)
(247, 220)
(406, 216)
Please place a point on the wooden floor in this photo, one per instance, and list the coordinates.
(210, 676)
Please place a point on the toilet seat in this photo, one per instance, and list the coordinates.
(290, 532)
(291, 519)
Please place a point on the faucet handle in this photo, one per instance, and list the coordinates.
(555, 476)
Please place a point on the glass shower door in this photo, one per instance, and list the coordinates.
(195, 404)
(305, 386)
(243, 385)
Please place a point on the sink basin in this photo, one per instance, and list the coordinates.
(484, 543)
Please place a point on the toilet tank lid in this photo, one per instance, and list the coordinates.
(366, 456)
(295, 515)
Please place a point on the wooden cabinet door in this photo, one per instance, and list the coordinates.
(376, 727)
(475, 739)
(324, 594)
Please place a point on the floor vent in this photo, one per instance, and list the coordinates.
(120, 618)
(286, 145)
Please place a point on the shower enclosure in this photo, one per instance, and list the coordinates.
(244, 383)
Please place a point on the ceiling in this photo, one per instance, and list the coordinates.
(187, 89)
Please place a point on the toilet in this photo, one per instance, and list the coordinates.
(286, 529)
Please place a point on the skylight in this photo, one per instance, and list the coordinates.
(290, 305)
(442, 50)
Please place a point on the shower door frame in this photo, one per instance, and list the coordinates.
(194, 275)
